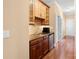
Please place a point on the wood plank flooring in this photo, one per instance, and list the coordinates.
(65, 49)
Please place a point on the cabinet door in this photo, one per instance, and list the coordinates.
(41, 10)
(31, 10)
(33, 52)
(36, 9)
(45, 45)
(36, 52)
(47, 16)
(44, 12)
(40, 50)
(36, 49)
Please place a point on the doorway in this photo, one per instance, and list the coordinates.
(58, 35)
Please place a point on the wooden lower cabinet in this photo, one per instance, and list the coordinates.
(38, 48)
(45, 45)
(36, 51)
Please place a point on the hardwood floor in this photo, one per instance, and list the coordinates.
(65, 49)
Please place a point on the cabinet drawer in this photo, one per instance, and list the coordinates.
(45, 37)
(36, 41)
(33, 42)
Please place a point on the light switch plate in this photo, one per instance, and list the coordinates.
(6, 34)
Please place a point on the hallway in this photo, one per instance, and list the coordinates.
(65, 49)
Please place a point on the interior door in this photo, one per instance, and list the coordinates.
(58, 28)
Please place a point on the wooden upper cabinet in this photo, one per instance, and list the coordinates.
(40, 10)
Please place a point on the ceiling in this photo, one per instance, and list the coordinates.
(67, 5)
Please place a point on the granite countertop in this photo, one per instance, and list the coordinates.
(35, 36)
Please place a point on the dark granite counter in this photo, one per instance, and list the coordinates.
(35, 36)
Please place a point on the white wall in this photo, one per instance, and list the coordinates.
(56, 10)
(16, 17)
(59, 12)
(70, 26)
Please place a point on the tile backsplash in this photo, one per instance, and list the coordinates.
(34, 29)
